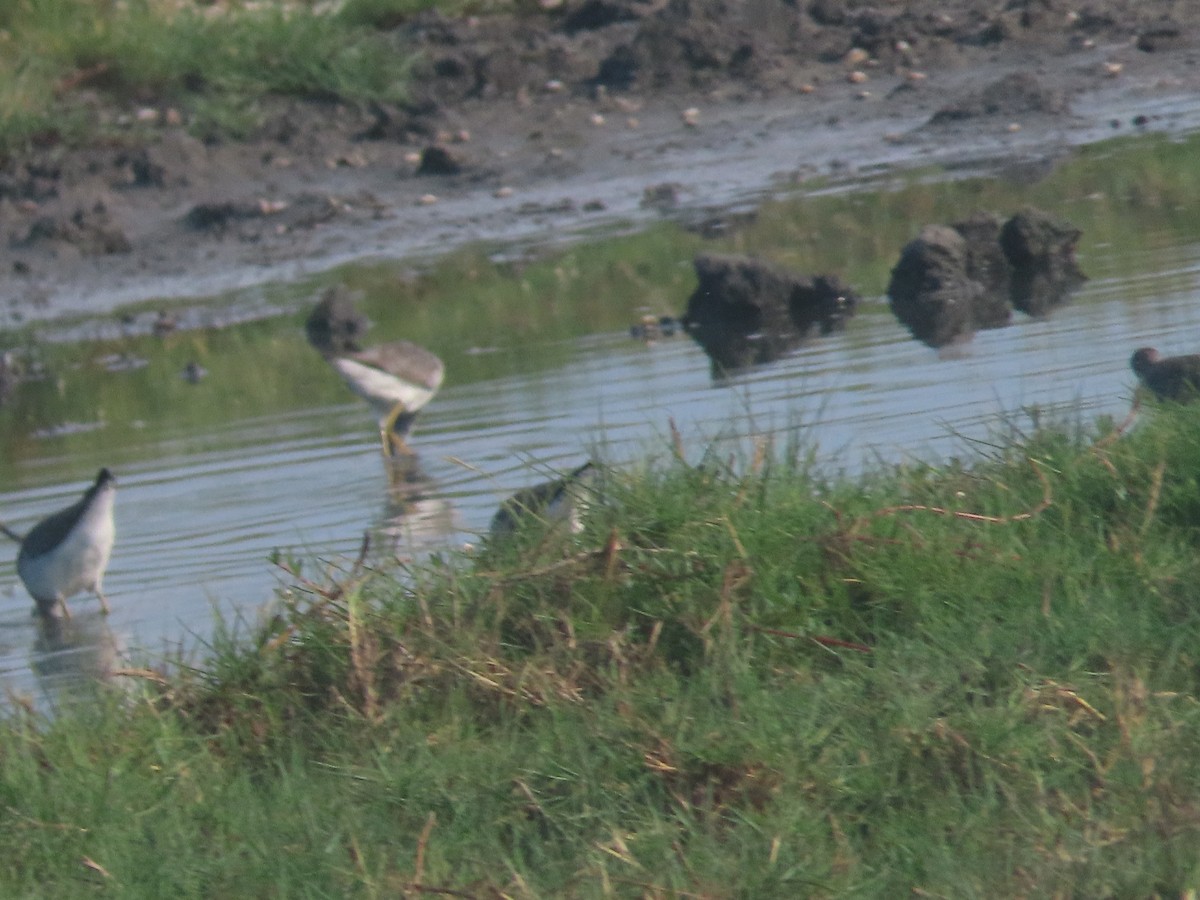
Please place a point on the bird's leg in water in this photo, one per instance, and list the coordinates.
(393, 444)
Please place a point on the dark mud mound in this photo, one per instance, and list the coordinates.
(952, 280)
(1013, 96)
(1041, 251)
(747, 312)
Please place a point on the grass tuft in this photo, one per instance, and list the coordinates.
(212, 62)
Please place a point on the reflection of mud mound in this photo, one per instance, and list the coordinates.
(746, 312)
(954, 279)
(1018, 94)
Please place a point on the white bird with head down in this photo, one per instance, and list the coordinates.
(68, 551)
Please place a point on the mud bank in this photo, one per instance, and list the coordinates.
(596, 115)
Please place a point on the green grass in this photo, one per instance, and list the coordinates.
(740, 680)
(214, 63)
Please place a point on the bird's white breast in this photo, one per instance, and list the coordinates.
(78, 563)
(382, 390)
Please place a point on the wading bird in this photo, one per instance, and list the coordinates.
(67, 552)
(563, 500)
(397, 378)
(1168, 377)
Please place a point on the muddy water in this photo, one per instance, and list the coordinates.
(200, 516)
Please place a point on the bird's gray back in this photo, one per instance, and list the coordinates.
(404, 359)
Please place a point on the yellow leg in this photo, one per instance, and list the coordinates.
(393, 444)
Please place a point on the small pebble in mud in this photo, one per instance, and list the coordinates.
(691, 117)
(427, 200)
(553, 86)
(857, 76)
(916, 77)
(633, 122)
(856, 56)
(596, 119)
(413, 158)
(502, 192)
(1113, 69)
(1014, 127)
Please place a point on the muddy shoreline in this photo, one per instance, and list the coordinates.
(159, 216)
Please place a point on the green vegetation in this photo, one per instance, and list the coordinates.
(213, 63)
(740, 680)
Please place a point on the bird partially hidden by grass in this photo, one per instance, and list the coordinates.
(397, 378)
(1168, 377)
(68, 551)
(562, 501)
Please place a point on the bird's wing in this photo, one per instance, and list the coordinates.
(405, 360)
(52, 530)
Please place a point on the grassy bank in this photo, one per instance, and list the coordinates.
(740, 680)
(210, 62)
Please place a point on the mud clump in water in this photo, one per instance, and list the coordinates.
(1041, 251)
(954, 279)
(747, 312)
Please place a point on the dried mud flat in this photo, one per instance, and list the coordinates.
(595, 112)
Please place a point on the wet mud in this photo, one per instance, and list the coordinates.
(589, 113)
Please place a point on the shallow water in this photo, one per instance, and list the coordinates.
(200, 516)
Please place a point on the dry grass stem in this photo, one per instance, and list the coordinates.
(1044, 504)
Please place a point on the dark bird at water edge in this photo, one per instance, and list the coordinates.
(1168, 377)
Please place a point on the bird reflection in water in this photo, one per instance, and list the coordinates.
(73, 657)
(416, 516)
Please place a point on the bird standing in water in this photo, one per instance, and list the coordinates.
(67, 552)
(397, 378)
(1168, 377)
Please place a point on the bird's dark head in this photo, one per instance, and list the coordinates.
(105, 477)
(335, 325)
(1143, 360)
